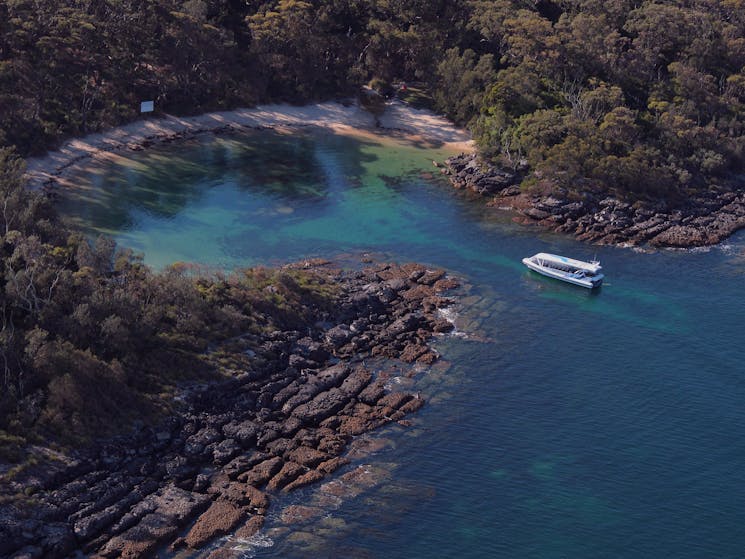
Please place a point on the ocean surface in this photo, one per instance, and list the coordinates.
(562, 423)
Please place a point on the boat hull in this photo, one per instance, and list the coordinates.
(589, 283)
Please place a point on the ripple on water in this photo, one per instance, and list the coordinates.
(241, 548)
(580, 425)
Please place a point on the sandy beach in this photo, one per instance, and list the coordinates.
(399, 120)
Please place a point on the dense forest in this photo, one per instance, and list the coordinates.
(91, 339)
(639, 98)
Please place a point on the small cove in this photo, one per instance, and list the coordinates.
(604, 424)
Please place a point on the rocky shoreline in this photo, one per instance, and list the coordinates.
(284, 420)
(705, 219)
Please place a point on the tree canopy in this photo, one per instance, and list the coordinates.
(90, 338)
(643, 98)
(637, 97)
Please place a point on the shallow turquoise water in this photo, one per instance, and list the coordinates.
(571, 424)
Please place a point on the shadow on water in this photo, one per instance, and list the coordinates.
(163, 181)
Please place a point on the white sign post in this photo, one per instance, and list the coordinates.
(147, 106)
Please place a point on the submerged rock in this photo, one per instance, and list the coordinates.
(295, 514)
(282, 425)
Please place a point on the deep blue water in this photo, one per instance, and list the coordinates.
(569, 424)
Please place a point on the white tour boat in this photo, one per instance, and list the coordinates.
(578, 272)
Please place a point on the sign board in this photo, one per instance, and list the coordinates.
(147, 106)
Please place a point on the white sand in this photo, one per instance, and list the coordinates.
(399, 120)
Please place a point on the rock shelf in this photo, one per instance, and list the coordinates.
(706, 218)
(282, 422)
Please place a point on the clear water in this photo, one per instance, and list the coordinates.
(571, 424)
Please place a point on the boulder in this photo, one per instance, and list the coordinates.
(289, 472)
(330, 466)
(411, 352)
(407, 323)
(396, 284)
(158, 518)
(89, 526)
(219, 519)
(535, 213)
(679, 236)
(431, 276)
(224, 451)
(357, 424)
(307, 478)
(243, 463)
(250, 528)
(262, 472)
(196, 444)
(179, 468)
(295, 514)
(322, 406)
(356, 382)
(258, 500)
(311, 349)
(316, 383)
(372, 392)
(307, 456)
(339, 335)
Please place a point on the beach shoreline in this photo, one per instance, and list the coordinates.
(399, 120)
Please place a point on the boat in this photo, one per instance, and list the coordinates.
(578, 272)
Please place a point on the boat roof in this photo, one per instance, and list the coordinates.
(580, 264)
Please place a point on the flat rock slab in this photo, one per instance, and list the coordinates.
(217, 520)
(284, 421)
(162, 516)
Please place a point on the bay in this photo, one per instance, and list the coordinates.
(569, 423)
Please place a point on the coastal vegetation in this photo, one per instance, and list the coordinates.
(91, 339)
(644, 99)
(641, 99)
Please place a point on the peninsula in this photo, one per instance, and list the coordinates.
(149, 412)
